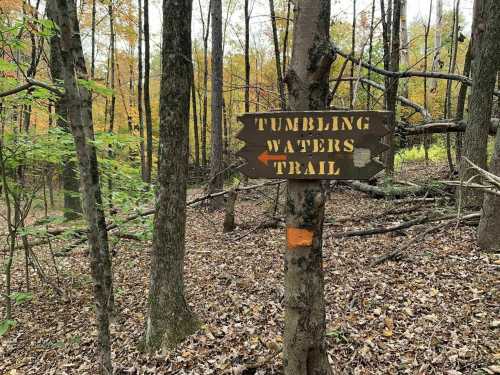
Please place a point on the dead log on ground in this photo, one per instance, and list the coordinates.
(394, 192)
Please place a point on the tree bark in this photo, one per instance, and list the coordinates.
(140, 107)
(281, 85)
(216, 174)
(304, 351)
(229, 223)
(204, 125)
(147, 95)
(405, 57)
(451, 69)
(485, 63)
(370, 55)
(462, 94)
(488, 233)
(353, 53)
(247, 57)
(195, 125)
(392, 88)
(79, 105)
(70, 181)
(170, 319)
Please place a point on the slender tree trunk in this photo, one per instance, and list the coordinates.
(140, 107)
(485, 57)
(488, 233)
(462, 94)
(304, 351)
(451, 69)
(195, 125)
(285, 37)
(405, 57)
(79, 106)
(92, 40)
(281, 85)
(216, 173)
(204, 126)
(436, 62)
(147, 96)
(112, 53)
(170, 319)
(427, 137)
(247, 58)
(392, 88)
(370, 55)
(353, 51)
(386, 16)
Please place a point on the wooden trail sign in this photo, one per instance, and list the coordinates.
(325, 145)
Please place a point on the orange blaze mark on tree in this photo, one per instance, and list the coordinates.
(297, 237)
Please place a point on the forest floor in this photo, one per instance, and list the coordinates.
(435, 311)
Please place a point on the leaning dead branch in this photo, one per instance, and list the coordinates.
(404, 101)
(490, 183)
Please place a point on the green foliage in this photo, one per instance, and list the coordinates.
(6, 66)
(437, 152)
(6, 325)
(95, 87)
(21, 297)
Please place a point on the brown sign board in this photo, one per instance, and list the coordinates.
(326, 145)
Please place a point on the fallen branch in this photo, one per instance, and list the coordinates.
(443, 127)
(397, 252)
(405, 225)
(391, 192)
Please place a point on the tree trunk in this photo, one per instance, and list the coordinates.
(79, 106)
(195, 125)
(426, 137)
(285, 37)
(229, 223)
(112, 52)
(353, 52)
(92, 39)
(147, 95)
(462, 94)
(370, 55)
(392, 88)
(247, 58)
(485, 57)
(451, 69)
(204, 125)
(487, 232)
(304, 351)
(436, 62)
(405, 57)
(169, 317)
(281, 85)
(139, 93)
(216, 174)
(70, 181)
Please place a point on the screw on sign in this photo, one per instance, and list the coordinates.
(326, 145)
